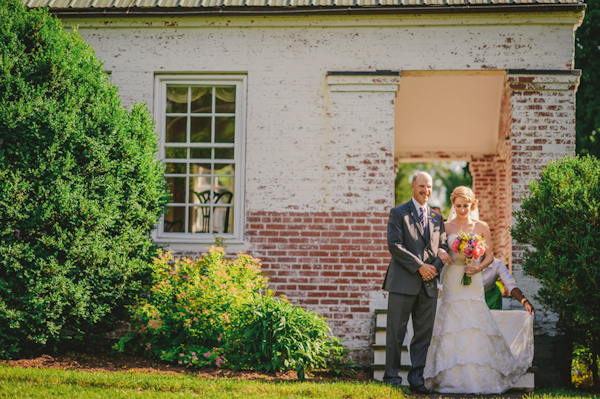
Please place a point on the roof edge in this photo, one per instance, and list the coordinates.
(313, 10)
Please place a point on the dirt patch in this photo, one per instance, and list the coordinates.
(107, 363)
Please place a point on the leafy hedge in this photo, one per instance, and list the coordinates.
(217, 311)
(80, 187)
(560, 223)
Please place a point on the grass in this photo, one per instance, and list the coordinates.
(22, 383)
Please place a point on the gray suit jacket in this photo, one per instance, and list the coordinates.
(410, 249)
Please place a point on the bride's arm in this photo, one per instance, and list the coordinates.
(489, 252)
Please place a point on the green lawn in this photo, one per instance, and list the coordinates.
(17, 383)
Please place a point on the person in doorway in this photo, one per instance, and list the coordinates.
(414, 234)
(493, 295)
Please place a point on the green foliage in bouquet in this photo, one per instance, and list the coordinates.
(80, 188)
(560, 221)
(217, 311)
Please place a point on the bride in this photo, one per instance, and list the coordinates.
(468, 352)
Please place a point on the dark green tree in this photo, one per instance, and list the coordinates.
(587, 58)
(80, 188)
(560, 224)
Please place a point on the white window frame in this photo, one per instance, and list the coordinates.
(240, 81)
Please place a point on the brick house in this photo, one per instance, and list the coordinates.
(281, 121)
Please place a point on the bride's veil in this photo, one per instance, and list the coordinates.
(474, 213)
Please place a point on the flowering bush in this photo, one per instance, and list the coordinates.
(189, 305)
(218, 311)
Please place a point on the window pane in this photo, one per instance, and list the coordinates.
(200, 130)
(224, 185)
(175, 152)
(223, 219)
(175, 220)
(175, 168)
(201, 100)
(224, 169)
(224, 129)
(200, 153)
(177, 189)
(177, 99)
(199, 219)
(176, 127)
(225, 99)
(223, 153)
(199, 190)
(200, 169)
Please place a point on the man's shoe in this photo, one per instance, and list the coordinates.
(421, 389)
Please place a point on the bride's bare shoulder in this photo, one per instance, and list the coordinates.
(450, 227)
(481, 226)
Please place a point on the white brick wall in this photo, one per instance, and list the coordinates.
(294, 121)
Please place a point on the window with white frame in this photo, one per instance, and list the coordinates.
(201, 122)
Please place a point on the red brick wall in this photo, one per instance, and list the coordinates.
(492, 188)
(492, 184)
(329, 262)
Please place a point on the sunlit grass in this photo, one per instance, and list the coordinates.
(44, 383)
(25, 383)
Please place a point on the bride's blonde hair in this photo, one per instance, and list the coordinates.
(466, 193)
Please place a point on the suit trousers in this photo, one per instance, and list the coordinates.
(422, 307)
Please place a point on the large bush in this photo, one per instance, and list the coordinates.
(560, 220)
(217, 311)
(80, 187)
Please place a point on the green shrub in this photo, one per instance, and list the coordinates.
(560, 220)
(581, 374)
(272, 334)
(80, 188)
(212, 311)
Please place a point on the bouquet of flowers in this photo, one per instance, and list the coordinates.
(472, 246)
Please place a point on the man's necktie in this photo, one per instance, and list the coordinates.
(423, 216)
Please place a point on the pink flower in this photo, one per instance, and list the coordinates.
(226, 317)
(220, 336)
(456, 246)
(469, 251)
(207, 354)
(148, 347)
(180, 362)
(218, 362)
(478, 252)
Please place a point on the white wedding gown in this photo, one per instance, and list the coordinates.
(469, 353)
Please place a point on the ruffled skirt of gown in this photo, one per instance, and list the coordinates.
(469, 353)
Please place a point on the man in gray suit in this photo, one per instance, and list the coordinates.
(415, 235)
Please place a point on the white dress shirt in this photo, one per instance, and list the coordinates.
(418, 206)
(497, 269)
